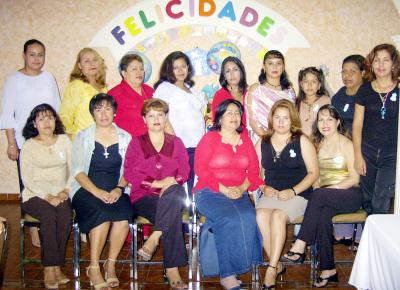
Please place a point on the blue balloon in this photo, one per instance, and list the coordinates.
(218, 52)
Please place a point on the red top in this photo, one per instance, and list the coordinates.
(143, 164)
(130, 103)
(216, 162)
(221, 95)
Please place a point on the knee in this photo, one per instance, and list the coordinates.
(279, 216)
(262, 216)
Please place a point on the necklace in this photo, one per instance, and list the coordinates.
(276, 154)
(105, 152)
(309, 107)
(383, 98)
(275, 86)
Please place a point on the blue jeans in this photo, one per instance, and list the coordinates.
(378, 184)
(237, 237)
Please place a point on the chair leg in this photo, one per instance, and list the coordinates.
(22, 251)
(135, 249)
(77, 251)
(353, 238)
(132, 251)
(190, 253)
(198, 234)
(314, 263)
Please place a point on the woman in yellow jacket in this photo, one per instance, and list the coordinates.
(87, 79)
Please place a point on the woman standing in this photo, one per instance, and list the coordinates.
(24, 90)
(352, 77)
(233, 82)
(87, 79)
(273, 85)
(291, 167)
(45, 170)
(337, 193)
(98, 191)
(227, 167)
(312, 96)
(131, 94)
(175, 86)
(157, 165)
(375, 128)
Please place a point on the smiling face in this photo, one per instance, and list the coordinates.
(382, 64)
(310, 84)
(180, 69)
(232, 74)
(134, 74)
(89, 64)
(231, 119)
(155, 120)
(281, 122)
(34, 57)
(103, 114)
(327, 125)
(273, 67)
(45, 123)
(351, 75)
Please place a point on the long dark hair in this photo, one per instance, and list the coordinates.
(30, 130)
(222, 79)
(284, 79)
(320, 76)
(222, 107)
(334, 113)
(167, 69)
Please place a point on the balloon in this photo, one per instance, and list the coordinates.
(146, 64)
(218, 52)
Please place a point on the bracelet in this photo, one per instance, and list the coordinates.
(294, 191)
(121, 187)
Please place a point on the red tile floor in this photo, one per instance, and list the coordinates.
(150, 277)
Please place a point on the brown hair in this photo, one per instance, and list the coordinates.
(295, 127)
(154, 104)
(394, 55)
(77, 74)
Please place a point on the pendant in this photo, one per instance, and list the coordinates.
(106, 153)
(383, 112)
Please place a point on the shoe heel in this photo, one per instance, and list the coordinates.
(334, 278)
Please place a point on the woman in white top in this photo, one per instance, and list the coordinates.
(24, 90)
(186, 106)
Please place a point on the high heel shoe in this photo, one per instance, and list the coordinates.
(299, 260)
(50, 283)
(270, 287)
(333, 278)
(111, 281)
(176, 285)
(60, 276)
(100, 286)
(281, 273)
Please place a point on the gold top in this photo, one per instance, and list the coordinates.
(332, 170)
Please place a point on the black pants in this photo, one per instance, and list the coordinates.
(379, 182)
(190, 181)
(317, 224)
(55, 226)
(165, 214)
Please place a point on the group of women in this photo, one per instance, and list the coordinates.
(114, 156)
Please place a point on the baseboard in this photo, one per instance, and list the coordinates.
(9, 196)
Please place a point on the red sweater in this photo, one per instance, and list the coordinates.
(130, 103)
(215, 162)
(222, 95)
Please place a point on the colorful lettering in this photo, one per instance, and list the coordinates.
(249, 12)
(202, 7)
(159, 13)
(228, 11)
(265, 25)
(118, 34)
(146, 22)
(168, 9)
(191, 8)
(131, 26)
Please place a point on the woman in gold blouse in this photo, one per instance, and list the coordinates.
(337, 192)
(87, 79)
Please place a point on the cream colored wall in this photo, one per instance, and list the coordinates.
(334, 30)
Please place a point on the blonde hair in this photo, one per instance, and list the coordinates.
(77, 74)
(295, 123)
(154, 104)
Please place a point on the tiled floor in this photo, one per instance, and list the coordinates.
(150, 277)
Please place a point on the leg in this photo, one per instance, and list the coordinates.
(367, 182)
(97, 237)
(264, 224)
(119, 231)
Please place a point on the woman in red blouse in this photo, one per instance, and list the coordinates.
(227, 167)
(130, 95)
(157, 164)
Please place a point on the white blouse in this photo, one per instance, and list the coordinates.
(186, 112)
(21, 93)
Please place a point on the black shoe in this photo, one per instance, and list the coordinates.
(342, 241)
(299, 260)
(270, 287)
(333, 278)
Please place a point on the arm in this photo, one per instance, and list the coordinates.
(87, 184)
(265, 189)
(12, 149)
(249, 110)
(64, 194)
(358, 121)
(311, 162)
(68, 106)
(168, 128)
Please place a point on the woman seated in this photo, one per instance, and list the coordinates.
(157, 165)
(227, 167)
(45, 167)
(291, 167)
(98, 192)
(338, 192)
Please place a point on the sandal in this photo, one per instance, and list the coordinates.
(176, 285)
(111, 281)
(146, 253)
(270, 287)
(299, 260)
(99, 286)
(333, 278)
(50, 283)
